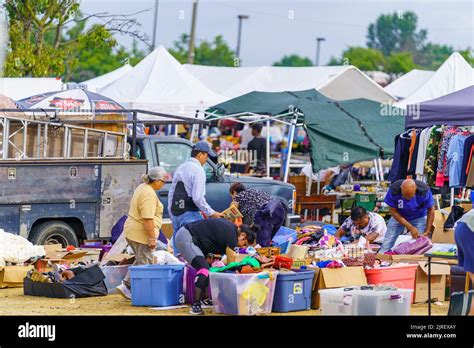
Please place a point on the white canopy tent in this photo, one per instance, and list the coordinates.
(100, 82)
(160, 83)
(455, 74)
(337, 82)
(23, 87)
(408, 83)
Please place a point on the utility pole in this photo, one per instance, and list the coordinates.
(193, 33)
(318, 48)
(239, 33)
(155, 21)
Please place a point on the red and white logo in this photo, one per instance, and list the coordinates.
(106, 105)
(66, 103)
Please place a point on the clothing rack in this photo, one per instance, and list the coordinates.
(417, 140)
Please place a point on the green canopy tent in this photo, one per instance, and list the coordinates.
(350, 131)
(347, 131)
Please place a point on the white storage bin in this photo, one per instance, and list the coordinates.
(243, 294)
(383, 302)
(337, 301)
(366, 301)
(114, 276)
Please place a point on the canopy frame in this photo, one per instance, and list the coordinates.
(293, 115)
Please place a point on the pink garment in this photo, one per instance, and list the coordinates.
(418, 247)
(334, 264)
(302, 240)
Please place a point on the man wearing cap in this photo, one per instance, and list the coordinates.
(186, 196)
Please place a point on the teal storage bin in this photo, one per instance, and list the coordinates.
(293, 291)
(157, 285)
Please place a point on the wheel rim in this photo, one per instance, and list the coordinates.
(56, 239)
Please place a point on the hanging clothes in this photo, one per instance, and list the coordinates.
(470, 175)
(400, 158)
(421, 156)
(442, 168)
(415, 138)
(454, 158)
(468, 143)
(431, 155)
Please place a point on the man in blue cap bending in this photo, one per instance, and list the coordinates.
(186, 198)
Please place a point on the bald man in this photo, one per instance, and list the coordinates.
(412, 208)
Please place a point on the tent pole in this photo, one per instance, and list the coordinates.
(376, 171)
(134, 134)
(290, 148)
(381, 170)
(268, 149)
(319, 183)
(191, 136)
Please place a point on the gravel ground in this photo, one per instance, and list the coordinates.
(13, 302)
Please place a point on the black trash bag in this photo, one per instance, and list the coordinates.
(456, 213)
(88, 282)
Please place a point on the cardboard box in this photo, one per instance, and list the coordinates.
(438, 281)
(12, 276)
(328, 278)
(439, 235)
(297, 251)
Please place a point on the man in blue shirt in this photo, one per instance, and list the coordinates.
(412, 208)
(186, 198)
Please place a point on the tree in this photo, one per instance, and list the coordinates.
(216, 52)
(396, 33)
(42, 42)
(363, 58)
(400, 63)
(294, 60)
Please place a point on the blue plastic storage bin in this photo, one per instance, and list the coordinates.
(293, 291)
(157, 285)
(283, 238)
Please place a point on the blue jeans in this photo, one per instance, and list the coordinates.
(180, 221)
(394, 229)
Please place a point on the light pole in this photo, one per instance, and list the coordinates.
(239, 34)
(155, 20)
(193, 33)
(318, 48)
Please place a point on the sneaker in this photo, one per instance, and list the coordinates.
(196, 309)
(206, 303)
(124, 291)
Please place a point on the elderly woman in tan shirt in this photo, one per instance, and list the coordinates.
(144, 221)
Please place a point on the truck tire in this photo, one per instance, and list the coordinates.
(53, 232)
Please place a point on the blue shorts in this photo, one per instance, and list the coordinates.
(465, 242)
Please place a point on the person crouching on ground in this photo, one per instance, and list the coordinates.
(363, 223)
(143, 224)
(197, 239)
(411, 207)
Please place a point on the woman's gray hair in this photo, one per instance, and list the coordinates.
(154, 174)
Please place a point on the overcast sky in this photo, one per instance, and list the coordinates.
(278, 28)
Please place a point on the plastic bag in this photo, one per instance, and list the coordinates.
(161, 257)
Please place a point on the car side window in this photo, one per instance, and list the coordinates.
(172, 155)
(209, 172)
